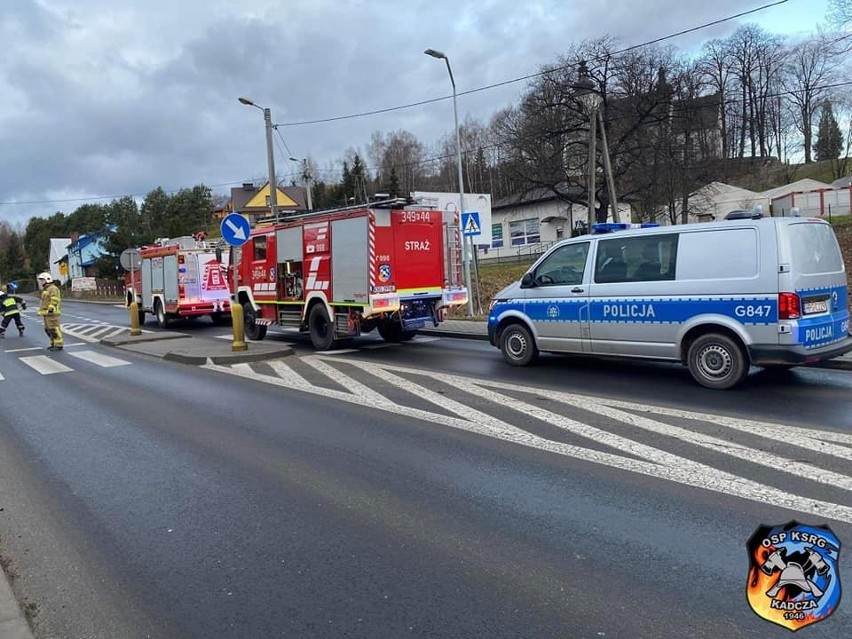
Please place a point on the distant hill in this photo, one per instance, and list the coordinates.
(761, 175)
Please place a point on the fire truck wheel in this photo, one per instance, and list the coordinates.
(160, 312)
(253, 331)
(220, 318)
(393, 332)
(320, 328)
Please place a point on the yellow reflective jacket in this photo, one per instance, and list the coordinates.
(50, 303)
(9, 306)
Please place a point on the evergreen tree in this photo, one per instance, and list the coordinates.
(829, 143)
(359, 179)
(348, 185)
(391, 185)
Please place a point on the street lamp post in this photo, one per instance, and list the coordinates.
(591, 100)
(273, 183)
(466, 248)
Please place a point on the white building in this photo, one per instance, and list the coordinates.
(523, 227)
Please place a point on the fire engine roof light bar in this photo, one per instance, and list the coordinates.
(270, 157)
(466, 244)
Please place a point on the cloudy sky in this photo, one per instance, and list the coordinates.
(105, 98)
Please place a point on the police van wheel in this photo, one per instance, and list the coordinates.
(321, 329)
(716, 361)
(517, 345)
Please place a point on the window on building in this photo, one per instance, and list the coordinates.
(524, 232)
(260, 247)
(497, 235)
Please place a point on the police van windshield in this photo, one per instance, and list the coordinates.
(815, 249)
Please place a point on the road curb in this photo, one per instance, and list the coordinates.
(13, 623)
(125, 339)
(239, 357)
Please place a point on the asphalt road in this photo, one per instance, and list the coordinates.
(424, 490)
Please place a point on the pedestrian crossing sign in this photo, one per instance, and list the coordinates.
(470, 224)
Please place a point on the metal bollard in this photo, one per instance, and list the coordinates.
(134, 318)
(238, 323)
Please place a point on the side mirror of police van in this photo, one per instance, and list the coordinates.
(527, 281)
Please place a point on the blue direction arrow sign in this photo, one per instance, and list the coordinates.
(235, 229)
(470, 224)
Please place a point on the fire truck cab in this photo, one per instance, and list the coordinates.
(338, 274)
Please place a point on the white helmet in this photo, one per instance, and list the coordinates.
(45, 278)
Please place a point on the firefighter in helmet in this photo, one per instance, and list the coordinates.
(50, 309)
(10, 311)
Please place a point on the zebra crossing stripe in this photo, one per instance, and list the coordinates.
(628, 455)
(44, 365)
(104, 361)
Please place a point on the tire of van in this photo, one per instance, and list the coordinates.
(517, 345)
(320, 328)
(716, 361)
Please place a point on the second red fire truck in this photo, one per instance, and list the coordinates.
(338, 274)
(180, 278)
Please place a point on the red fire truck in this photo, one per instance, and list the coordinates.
(181, 277)
(338, 274)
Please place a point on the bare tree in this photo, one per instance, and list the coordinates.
(756, 58)
(809, 70)
(715, 64)
(840, 13)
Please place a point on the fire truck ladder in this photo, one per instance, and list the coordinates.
(452, 251)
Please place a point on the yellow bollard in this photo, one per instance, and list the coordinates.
(134, 318)
(238, 323)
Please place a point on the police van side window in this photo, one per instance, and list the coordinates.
(636, 259)
(564, 266)
(718, 254)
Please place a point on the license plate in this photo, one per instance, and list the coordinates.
(820, 306)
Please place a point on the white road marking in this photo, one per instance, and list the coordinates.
(364, 392)
(44, 365)
(105, 361)
(24, 350)
(1, 377)
(651, 461)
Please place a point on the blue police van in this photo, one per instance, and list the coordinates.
(716, 296)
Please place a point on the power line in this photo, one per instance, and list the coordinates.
(432, 100)
(533, 75)
(405, 164)
(675, 107)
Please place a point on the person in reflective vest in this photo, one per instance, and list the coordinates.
(50, 309)
(9, 309)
